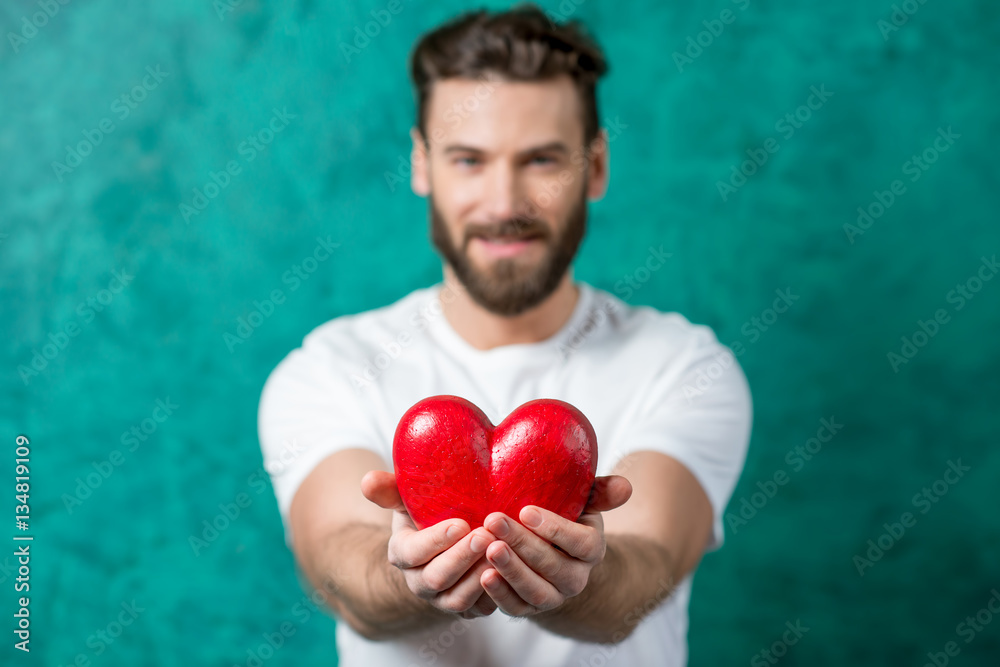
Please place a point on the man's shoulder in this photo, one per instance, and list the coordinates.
(338, 346)
(645, 326)
(367, 327)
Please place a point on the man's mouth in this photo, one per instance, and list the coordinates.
(509, 239)
(505, 246)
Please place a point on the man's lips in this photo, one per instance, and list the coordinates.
(504, 246)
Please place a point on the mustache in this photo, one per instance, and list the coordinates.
(517, 227)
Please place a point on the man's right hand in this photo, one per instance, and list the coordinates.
(443, 569)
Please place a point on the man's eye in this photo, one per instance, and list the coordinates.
(542, 159)
(468, 161)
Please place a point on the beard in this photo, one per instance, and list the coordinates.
(510, 286)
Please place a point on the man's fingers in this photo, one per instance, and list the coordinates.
(529, 586)
(608, 493)
(504, 596)
(444, 571)
(485, 605)
(464, 595)
(379, 487)
(576, 539)
(411, 549)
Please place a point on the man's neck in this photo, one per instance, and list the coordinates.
(484, 330)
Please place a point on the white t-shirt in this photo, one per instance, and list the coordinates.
(646, 380)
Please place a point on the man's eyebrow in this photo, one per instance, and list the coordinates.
(459, 148)
(554, 146)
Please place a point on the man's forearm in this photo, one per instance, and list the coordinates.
(354, 570)
(634, 577)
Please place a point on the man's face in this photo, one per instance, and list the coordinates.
(506, 186)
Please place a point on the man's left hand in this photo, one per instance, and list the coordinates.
(537, 566)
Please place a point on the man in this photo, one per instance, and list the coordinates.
(508, 151)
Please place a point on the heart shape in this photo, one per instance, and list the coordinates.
(451, 462)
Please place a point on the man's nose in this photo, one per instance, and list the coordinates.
(502, 196)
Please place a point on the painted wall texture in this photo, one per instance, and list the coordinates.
(167, 166)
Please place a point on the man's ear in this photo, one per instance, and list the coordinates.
(597, 172)
(419, 178)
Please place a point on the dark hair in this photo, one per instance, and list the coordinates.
(520, 44)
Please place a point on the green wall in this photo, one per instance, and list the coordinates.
(682, 126)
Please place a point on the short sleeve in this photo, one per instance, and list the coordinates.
(698, 410)
(308, 410)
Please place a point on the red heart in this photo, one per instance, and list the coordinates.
(452, 462)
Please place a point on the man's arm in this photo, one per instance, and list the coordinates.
(340, 540)
(359, 548)
(652, 542)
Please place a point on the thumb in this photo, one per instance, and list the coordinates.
(608, 493)
(379, 487)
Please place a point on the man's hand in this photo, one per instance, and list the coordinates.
(538, 567)
(441, 566)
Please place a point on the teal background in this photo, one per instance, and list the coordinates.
(324, 174)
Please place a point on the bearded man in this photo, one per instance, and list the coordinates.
(508, 151)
